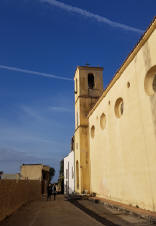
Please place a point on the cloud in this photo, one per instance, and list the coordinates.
(34, 131)
(11, 159)
(88, 14)
(8, 154)
(5, 67)
(60, 109)
(26, 138)
(11, 154)
(34, 135)
(30, 112)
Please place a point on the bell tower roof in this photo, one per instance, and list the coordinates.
(86, 67)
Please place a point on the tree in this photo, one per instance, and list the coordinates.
(51, 173)
(61, 176)
(62, 167)
(1, 173)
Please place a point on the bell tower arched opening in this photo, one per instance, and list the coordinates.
(91, 82)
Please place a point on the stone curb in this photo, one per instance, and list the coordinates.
(141, 214)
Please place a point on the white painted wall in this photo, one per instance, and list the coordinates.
(69, 173)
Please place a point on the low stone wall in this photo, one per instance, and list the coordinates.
(15, 193)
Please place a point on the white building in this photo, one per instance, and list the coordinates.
(69, 173)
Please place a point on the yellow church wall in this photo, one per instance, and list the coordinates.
(123, 154)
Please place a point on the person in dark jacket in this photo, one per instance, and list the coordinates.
(49, 192)
(54, 191)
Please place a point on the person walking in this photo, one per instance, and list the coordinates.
(54, 191)
(49, 192)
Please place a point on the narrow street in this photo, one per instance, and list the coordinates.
(47, 213)
(62, 212)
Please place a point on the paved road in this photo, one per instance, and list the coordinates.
(50, 213)
(62, 212)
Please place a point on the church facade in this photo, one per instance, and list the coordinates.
(115, 128)
(122, 131)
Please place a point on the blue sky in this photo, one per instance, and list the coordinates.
(51, 38)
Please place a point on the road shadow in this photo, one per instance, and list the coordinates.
(91, 213)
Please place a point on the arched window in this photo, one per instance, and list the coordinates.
(76, 86)
(119, 107)
(103, 121)
(91, 81)
(154, 83)
(150, 81)
(92, 131)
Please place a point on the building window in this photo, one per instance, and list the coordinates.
(91, 83)
(150, 81)
(128, 84)
(119, 107)
(76, 86)
(92, 131)
(103, 121)
(154, 83)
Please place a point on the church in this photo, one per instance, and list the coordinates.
(114, 144)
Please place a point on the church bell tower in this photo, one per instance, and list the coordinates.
(88, 89)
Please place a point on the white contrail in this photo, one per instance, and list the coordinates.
(34, 72)
(86, 13)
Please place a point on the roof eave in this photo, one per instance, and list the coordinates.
(127, 61)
